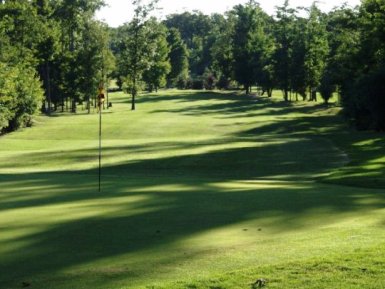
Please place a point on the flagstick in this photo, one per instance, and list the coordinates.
(100, 147)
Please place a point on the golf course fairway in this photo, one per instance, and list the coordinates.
(199, 190)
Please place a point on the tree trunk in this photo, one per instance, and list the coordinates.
(73, 106)
(247, 89)
(89, 104)
(313, 94)
(133, 92)
(107, 95)
(286, 95)
(48, 82)
(133, 101)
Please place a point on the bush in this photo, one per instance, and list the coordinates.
(376, 98)
(21, 96)
(210, 80)
(223, 83)
(182, 83)
(327, 87)
(364, 100)
(197, 83)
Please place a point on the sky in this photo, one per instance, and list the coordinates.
(118, 12)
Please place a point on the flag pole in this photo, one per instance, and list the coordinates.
(100, 147)
(100, 107)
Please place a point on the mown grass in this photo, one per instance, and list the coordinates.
(200, 190)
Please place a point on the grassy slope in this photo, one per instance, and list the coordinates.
(200, 190)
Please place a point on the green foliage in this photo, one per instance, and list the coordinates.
(283, 55)
(297, 67)
(53, 39)
(196, 32)
(364, 100)
(137, 47)
(190, 25)
(155, 75)
(209, 80)
(23, 30)
(178, 56)
(363, 93)
(344, 44)
(250, 43)
(317, 50)
(222, 50)
(72, 78)
(97, 61)
(71, 52)
(20, 96)
(327, 87)
(20, 88)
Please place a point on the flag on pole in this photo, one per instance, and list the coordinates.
(101, 98)
(100, 103)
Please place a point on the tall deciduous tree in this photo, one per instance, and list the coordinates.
(363, 96)
(250, 43)
(284, 34)
(222, 49)
(72, 16)
(137, 47)
(20, 87)
(297, 65)
(195, 29)
(178, 56)
(94, 57)
(48, 48)
(317, 49)
(342, 26)
(155, 75)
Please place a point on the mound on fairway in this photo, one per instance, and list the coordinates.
(199, 190)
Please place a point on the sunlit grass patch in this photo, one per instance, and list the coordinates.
(199, 190)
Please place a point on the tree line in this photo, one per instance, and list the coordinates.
(304, 52)
(53, 54)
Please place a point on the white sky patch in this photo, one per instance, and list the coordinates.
(120, 11)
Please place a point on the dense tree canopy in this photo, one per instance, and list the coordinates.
(54, 54)
(178, 57)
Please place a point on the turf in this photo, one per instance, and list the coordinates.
(199, 190)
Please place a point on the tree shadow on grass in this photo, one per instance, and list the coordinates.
(154, 212)
(364, 165)
(246, 108)
(160, 202)
(266, 158)
(151, 205)
(330, 127)
(190, 96)
(229, 104)
(181, 96)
